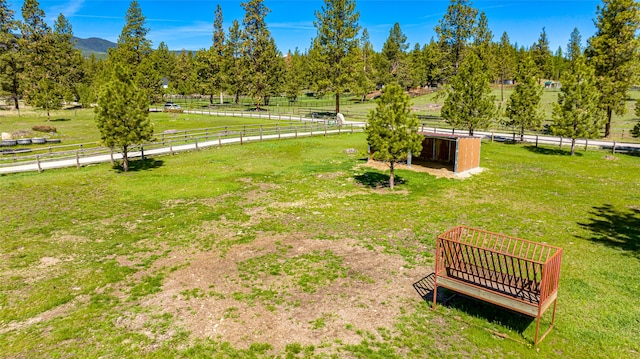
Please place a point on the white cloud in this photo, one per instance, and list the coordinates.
(68, 9)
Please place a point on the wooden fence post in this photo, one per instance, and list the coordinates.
(77, 159)
(171, 147)
(260, 133)
(111, 155)
(196, 141)
(586, 144)
(38, 162)
(536, 140)
(614, 148)
(560, 142)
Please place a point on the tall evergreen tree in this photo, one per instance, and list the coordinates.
(482, 41)
(392, 129)
(260, 55)
(10, 61)
(542, 55)
(122, 114)
(66, 63)
(506, 59)
(523, 105)
(614, 52)
(133, 51)
(574, 49)
(394, 51)
(334, 46)
(294, 75)
(455, 30)
(216, 53)
(469, 103)
(132, 46)
(182, 78)
(37, 49)
(364, 78)
(235, 81)
(577, 113)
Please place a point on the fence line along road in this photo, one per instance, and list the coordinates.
(583, 143)
(190, 140)
(170, 143)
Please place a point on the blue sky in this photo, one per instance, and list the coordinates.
(189, 24)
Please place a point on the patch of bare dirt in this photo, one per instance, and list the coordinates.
(210, 296)
(437, 172)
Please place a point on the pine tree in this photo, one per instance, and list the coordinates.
(334, 46)
(614, 52)
(364, 77)
(506, 57)
(542, 56)
(261, 58)
(11, 64)
(294, 75)
(66, 61)
(394, 66)
(36, 48)
(577, 113)
(523, 105)
(574, 49)
(482, 44)
(133, 45)
(392, 129)
(469, 103)
(455, 30)
(216, 55)
(432, 59)
(183, 79)
(133, 52)
(122, 114)
(235, 81)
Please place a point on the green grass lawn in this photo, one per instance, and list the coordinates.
(78, 126)
(290, 249)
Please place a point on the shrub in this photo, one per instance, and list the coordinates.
(47, 129)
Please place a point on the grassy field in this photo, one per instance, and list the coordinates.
(293, 249)
(78, 126)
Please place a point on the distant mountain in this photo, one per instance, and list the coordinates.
(93, 45)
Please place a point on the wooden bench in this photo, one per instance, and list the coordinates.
(509, 272)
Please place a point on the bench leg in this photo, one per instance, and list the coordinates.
(553, 321)
(435, 294)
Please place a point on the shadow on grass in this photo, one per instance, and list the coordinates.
(473, 307)
(618, 228)
(377, 180)
(550, 151)
(140, 165)
(60, 119)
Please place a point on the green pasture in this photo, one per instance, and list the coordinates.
(94, 262)
(78, 126)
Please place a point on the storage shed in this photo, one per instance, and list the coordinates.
(456, 152)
